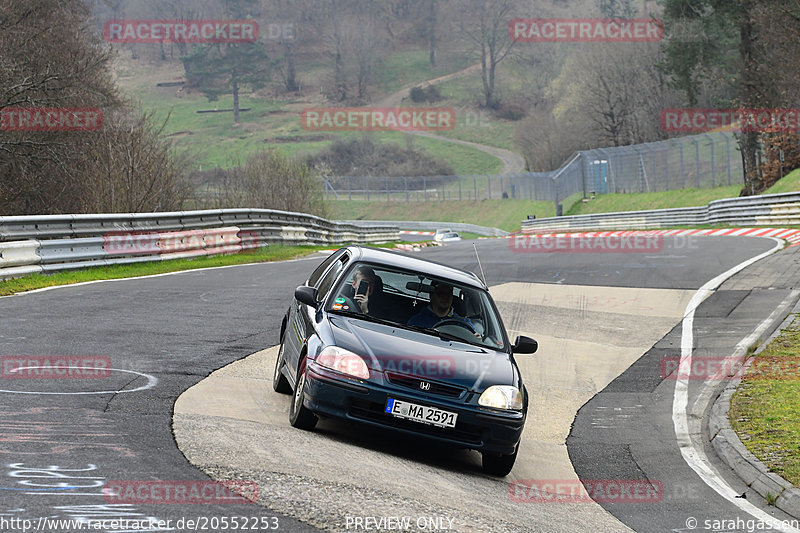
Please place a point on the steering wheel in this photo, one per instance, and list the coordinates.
(452, 321)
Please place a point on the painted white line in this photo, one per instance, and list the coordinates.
(152, 381)
(741, 347)
(692, 452)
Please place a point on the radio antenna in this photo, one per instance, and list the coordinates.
(483, 277)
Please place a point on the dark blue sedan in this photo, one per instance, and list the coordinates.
(398, 342)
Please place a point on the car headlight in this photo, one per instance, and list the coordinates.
(501, 397)
(343, 361)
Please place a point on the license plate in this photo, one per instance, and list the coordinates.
(421, 413)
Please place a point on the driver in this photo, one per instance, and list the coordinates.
(362, 273)
(440, 308)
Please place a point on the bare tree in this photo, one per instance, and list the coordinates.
(130, 169)
(615, 91)
(51, 56)
(270, 180)
(547, 142)
(484, 23)
(366, 42)
(176, 10)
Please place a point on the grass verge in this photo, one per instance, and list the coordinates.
(765, 410)
(612, 203)
(789, 183)
(504, 214)
(260, 255)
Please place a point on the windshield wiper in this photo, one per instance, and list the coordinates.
(364, 316)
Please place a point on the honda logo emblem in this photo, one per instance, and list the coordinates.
(424, 385)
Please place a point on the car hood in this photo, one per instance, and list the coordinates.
(402, 351)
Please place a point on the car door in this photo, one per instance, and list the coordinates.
(301, 323)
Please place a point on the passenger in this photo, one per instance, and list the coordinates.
(349, 291)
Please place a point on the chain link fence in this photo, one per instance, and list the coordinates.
(698, 161)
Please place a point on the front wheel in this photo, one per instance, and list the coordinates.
(299, 415)
(279, 382)
(499, 465)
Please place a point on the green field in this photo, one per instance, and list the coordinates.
(612, 203)
(212, 140)
(474, 123)
(503, 214)
(409, 67)
(789, 183)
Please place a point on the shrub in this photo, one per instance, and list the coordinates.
(428, 94)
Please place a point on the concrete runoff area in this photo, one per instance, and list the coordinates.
(232, 424)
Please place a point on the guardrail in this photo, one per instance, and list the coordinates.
(49, 243)
(460, 227)
(768, 209)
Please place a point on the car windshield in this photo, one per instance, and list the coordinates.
(424, 302)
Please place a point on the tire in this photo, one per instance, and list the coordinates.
(300, 416)
(279, 382)
(499, 465)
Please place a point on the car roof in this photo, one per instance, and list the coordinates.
(423, 266)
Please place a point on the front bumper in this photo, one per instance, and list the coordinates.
(329, 393)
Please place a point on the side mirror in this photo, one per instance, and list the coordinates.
(525, 345)
(306, 295)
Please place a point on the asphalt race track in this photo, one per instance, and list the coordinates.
(604, 322)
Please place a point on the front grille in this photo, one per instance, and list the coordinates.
(413, 383)
(374, 412)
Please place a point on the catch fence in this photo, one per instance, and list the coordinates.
(693, 162)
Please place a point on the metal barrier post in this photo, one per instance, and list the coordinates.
(728, 150)
(683, 170)
(697, 158)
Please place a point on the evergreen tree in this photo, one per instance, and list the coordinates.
(220, 69)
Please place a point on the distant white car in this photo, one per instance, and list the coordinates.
(450, 237)
(441, 232)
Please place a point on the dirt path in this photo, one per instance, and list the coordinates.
(512, 163)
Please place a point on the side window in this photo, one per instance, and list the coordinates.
(314, 278)
(330, 277)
